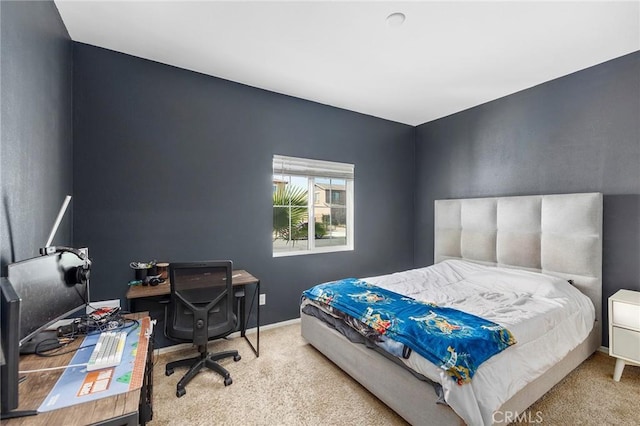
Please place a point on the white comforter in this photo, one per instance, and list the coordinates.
(547, 315)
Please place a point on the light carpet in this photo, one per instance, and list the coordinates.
(293, 384)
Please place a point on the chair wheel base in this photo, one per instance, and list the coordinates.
(206, 361)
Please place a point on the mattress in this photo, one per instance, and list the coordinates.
(547, 315)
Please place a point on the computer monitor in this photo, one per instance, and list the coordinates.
(9, 338)
(10, 352)
(49, 289)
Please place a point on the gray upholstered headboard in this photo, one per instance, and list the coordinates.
(558, 234)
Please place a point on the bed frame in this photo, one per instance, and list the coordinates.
(558, 234)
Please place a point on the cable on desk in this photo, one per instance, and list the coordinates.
(55, 351)
(62, 367)
(70, 337)
(133, 322)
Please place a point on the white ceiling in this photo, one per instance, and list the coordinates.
(446, 57)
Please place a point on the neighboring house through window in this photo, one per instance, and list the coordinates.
(315, 192)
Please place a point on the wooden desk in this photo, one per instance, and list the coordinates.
(240, 278)
(121, 409)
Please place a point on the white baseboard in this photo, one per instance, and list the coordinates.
(180, 346)
(270, 326)
(604, 350)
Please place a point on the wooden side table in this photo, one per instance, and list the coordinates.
(624, 330)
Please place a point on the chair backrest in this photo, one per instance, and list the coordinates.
(201, 305)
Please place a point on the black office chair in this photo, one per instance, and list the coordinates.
(200, 309)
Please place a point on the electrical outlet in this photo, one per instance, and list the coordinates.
(263, 299)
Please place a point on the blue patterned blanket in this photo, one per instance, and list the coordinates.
(455, 341)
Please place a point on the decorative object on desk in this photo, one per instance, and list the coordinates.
(153, 268)
(154, 280)
(140, 265)
(151, 280)
(163, 270)
(142, 270)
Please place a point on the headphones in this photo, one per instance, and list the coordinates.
(76, 274)
(153, 281)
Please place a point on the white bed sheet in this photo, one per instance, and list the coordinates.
(547, 315)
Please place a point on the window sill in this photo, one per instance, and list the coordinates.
(315, 251)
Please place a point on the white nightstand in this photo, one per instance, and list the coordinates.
(624, 329)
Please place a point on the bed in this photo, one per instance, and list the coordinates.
(558, 236)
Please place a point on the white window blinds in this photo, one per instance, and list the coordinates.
(283, 165)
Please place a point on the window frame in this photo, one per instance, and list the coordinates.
(311, 169)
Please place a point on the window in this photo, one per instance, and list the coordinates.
(311, 191)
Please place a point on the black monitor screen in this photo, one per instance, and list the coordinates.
(48, 289)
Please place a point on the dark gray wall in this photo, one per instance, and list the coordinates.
(35, 127)
(174, 165)
(579, 133)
